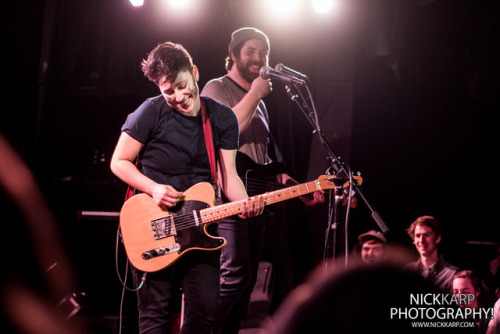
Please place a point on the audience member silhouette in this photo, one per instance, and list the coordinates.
(29, 291)
(357, 299)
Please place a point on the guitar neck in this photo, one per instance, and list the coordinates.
(219, 212)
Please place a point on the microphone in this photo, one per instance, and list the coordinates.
(287, 70)
(283, 69)
(267, 72)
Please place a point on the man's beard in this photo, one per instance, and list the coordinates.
(245, 73)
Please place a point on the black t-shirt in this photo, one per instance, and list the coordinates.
(174, 149)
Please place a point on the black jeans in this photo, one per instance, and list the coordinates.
(197, 272)
(239, 264)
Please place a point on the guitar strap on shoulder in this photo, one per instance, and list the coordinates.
(207, 129)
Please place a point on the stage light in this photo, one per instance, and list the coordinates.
(136, 3)
(283, 7)
(181, 10)
(179, 3)
(322, 6)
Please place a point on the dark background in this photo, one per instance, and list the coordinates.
(406, 94)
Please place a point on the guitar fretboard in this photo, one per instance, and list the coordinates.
(229, 209)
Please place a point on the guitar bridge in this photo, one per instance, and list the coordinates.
(163, 227)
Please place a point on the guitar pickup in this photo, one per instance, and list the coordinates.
(150, 254)
(163, 227)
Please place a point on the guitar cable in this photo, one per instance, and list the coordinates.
(124, 280)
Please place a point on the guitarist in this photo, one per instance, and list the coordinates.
(166, 135)
(243, 90)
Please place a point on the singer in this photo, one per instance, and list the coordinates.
(242, 89)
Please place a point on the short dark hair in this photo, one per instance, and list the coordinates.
(166, 59)
(470, 275)
(428, 221)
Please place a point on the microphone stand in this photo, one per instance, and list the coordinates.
(340, 172)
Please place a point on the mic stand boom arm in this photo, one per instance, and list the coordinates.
(341, 170)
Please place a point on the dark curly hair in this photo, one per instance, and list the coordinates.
(166, 59)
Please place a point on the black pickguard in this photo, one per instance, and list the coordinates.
(189, 235)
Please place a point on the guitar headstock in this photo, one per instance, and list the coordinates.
(332, 181)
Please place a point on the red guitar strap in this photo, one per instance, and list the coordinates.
(207, 129)
(129, 193)
(130, 190)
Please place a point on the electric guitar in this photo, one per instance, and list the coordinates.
(154, 237)
(261, 178)
(258, 178)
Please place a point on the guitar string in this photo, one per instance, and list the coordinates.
(186, 220)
